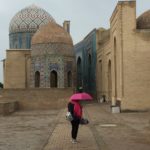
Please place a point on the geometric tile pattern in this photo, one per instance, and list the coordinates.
(29, 19)
(52, 48)
(46, 64)
(86, 51)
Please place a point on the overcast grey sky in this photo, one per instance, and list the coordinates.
(84, 15)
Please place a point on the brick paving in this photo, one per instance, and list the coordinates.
(124, 131)
(106, 131)
(48, 130)
(61, 140)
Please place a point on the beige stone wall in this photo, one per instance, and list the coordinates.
(33, 99)
(136, 76)
(17, 69)
(136, 62)
(130, 60)
(116, 53)
(103, 57)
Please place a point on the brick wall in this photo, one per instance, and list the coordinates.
(32, 99)
(15, 71)
(132, 81)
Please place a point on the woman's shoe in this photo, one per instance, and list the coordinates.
(74, 141)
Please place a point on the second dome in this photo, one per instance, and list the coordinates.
(51, 39)
(51, 33)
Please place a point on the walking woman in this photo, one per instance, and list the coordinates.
(75, 109)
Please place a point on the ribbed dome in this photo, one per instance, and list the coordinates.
(51, 33)
(143, 21)
(29, 19)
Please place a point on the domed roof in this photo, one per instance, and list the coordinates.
(51, 33)
(143, 21)
(29, 19)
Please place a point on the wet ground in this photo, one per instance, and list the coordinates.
(28, 130)
(48, 130)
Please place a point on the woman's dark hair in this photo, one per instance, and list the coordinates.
(80, 89)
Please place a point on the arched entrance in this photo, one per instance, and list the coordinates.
(69, 79)
(53, 79)
(109, 81)
(115, 70)
(79, 72)
(37, 79)
(89, 72)
(100, 76)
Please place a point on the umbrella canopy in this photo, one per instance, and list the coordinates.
(81, 96)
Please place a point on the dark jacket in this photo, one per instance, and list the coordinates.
(71, 110)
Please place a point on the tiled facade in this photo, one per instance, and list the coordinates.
(52, 48)
(52, 52)
(86, 53)
(46, 64)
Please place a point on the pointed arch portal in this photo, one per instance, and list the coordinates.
(37, 79)
(53, 79)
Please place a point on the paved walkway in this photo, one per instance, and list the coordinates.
(106, 131)
(61, 140)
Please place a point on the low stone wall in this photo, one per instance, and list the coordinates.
(8, 107)
(33, 99)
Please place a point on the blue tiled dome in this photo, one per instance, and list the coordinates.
(29, 19)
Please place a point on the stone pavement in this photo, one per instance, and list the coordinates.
(27, 130)
(61, 140)
(124, 131)
(48, 130)
(106, 131)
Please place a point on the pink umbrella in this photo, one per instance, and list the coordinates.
(80, 96)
